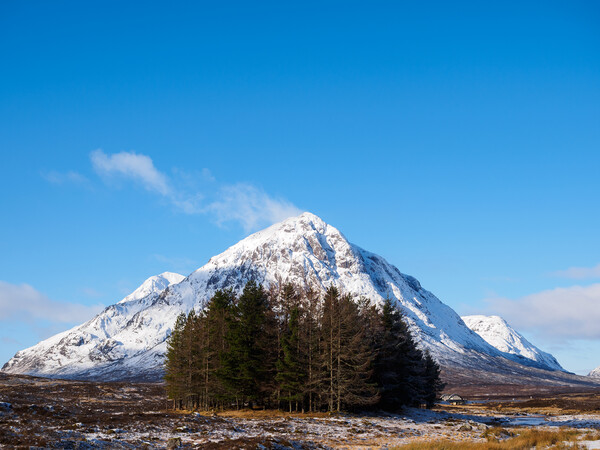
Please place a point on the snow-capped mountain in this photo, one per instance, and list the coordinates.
(595, 373)
(127, 340)
(118, 336)
(498, 333)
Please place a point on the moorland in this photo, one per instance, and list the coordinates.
(49, 413)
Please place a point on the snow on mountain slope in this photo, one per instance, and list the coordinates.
(155, 284)
(498, 333)
(308, 252)
(595, 373)
(127, 340)
(118, 333)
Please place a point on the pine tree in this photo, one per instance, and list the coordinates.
(412, 366)
(329, 336)
(191, 357)
(174, 363)
(247, 362)
(217, 318)
(405, 374)
(396, 353)
(346, 355)
(355, 360)
(311, 344)
(290, 371)
(433, 385)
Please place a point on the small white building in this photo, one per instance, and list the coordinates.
(453, 399)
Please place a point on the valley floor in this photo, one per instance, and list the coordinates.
(70, 414)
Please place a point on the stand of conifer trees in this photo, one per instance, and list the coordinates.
(290, 349)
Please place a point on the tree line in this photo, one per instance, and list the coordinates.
(287, 348)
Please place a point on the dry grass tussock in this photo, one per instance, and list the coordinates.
(516, 439)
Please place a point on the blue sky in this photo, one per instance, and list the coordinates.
(459, 140)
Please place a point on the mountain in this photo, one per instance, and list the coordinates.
(496, 332)
(153, 286)
(595, 373)
(116, 342)
(127, 340)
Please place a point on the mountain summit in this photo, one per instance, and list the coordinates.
(153, 285)
(127, 340)
(498, 333)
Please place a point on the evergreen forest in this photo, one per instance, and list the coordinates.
(290, 349)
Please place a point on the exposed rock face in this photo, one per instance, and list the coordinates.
(127, 340)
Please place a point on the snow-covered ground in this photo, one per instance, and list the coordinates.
(45, 413)
(345, 430)
(196, 430)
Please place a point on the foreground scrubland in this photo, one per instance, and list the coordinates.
(67, 414)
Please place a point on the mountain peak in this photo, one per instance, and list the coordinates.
(300, 235)
(305, 222)
(154, 284)
(171, 277)
(499, 334)
(308, 217)
(481, 319)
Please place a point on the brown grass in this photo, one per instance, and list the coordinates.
(501, 439)
(264, 414)
(592, 436)
(565, 403)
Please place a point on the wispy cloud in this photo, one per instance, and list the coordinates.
(244, 203)
(207, 175)
(250, 206)
(55, 177)
(91, 292)
(9, 341)
(23, 302)
(137, 167)
(561, 313)
(579, 273)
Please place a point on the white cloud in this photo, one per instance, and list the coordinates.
(561, 313)
(140, 168)
(250, 206)
(23, 302)
(579, 273)
(131, 165)
(244, 203)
